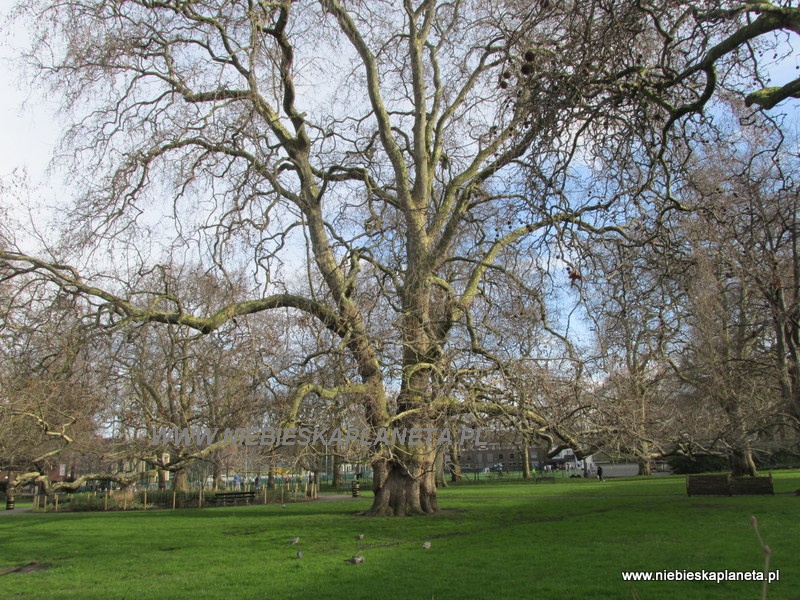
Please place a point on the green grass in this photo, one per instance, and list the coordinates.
(514, 540)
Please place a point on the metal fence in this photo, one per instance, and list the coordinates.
(168, 499)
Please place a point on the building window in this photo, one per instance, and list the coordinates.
(511, 456)
(499, 457)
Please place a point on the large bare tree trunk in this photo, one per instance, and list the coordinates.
(402, 490)
(217, 476)
(742, 463)
(455, 454)
(645, 466)
(180, 481)
(338, 478)
(441, 482)
(526, 462)
(405, 483)
(741, 454)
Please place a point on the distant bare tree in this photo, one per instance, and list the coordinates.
(636, 317)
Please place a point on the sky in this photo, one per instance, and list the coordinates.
(29, 130)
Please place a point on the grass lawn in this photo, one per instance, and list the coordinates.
(510, 540)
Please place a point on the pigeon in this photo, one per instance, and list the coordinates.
(355, 560)
(360, 536)
(284, 506)
(299, 554)
(293, 541)
(426, 545)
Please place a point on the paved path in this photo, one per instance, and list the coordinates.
(333, 497)
(17, 511)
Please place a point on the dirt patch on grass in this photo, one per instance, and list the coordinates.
(31, 567)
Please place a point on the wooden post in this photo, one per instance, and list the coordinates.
(174, 496)
(56, 502)
(265, 494)
(36, 501)
(144, 502)
(281, 494)
(125, 499)
(105, 501)
(44, 508)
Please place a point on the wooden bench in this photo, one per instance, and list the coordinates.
(752, 486)
(725, 485)
(544, 480)
(348, 487)
(708, 485)
(225, 498)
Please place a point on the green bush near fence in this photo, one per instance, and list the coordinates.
(571, 539)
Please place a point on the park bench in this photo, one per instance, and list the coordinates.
(231, 498)
(725, 485)
(544, 480)
(752, 486)
(708, 485)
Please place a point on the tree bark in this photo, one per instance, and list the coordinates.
(338, 478)
(180, 481)
(526, 462)
(455, 454)
(217, 476)
(742, 463)
(404, 483)
(645, 466)
(441, 482)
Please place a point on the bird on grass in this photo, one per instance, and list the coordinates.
(295, 540)
(360, 536)
(355, 560)
(426, 545)
(299, 554)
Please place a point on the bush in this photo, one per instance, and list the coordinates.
(84, 501)
(699, 463)
(783, 459)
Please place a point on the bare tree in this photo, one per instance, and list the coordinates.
(637, 312)
(394, 151)
(743, 288)
(750, 186)
(52, 390)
